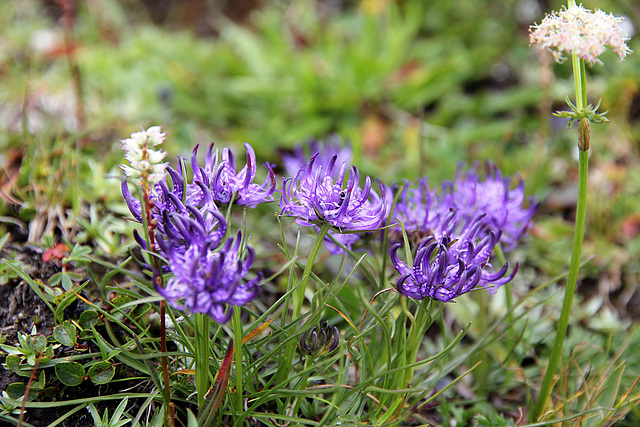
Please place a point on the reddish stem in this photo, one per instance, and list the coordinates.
(158, 283)
(26, 393)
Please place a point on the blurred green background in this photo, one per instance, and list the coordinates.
(418, 87)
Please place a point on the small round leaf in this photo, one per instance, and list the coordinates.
(101, 372)
(70, 373)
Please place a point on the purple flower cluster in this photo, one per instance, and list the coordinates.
(455, 230)
(444, 268)
(208, 272)
(317, 194)
(223, 180)
(458, 231)
(219, 177)
(502, 205)
(207, 276)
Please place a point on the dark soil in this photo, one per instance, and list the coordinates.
(20, 309)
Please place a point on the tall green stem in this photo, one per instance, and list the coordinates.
(202, 357)
(237, 327)
(419, 326)
(578, 237)
(298, 300)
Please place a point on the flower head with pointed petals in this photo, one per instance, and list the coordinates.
(207, 279)
(503, 207)
(219, 174)
(444, 269)
(319, 194)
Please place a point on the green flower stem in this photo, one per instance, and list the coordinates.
(202, 357)
(237, 328)
(480, 373)
(417, 330)
(507, 287)
(302, 385)
(298, 300)
(578, 237)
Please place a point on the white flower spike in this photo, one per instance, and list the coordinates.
(146, 162)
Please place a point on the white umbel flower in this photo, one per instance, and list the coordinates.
(146, 162)
(576, 30)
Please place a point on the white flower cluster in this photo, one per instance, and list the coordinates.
(576, 30)
(146, 162)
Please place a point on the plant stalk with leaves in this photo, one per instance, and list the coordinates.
(147, 170)
(589, 33)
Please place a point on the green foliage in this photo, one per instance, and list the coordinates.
(101, 372)
(70, 373)
(31, 347)
(65, 334)
(115, 420)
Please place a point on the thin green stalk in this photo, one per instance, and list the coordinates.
(298, 300)
(237, 328)
(302, 385)
(507, 287)
(297, 308)
(202, 357)
(581, 208)
(417, 330)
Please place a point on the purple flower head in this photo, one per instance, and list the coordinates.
(196, 228)
(444, 268)
(327, 148)
(208, 279)
(221, 177)
(347, 240)
(502, 206)
(317, 194)
(421, 212)
(162, 197)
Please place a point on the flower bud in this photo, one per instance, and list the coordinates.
(320, 340)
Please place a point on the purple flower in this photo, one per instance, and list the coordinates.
(207, 279)
(502, 206)
(445, 268)
(420, 211)
(326, 149)
(347, 240)
(317, 195)
(223, 180)
(166, 201)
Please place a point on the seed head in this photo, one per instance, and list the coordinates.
(580, 31)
